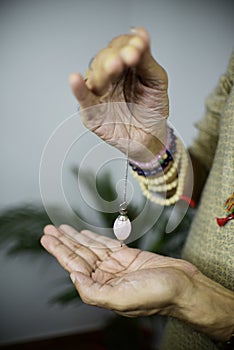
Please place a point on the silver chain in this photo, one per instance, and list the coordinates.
(123, 206)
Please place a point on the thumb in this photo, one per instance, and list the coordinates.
(85, 286)
(81, 280)
(85, 97)
(91, 292)
(148, 68)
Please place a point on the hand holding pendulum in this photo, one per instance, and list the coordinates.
(122, 225)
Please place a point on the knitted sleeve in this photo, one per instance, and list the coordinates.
(204, 146)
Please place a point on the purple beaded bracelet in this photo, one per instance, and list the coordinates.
(160, 162)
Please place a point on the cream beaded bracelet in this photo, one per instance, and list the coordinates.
(181, 180)
(180, 165)
(162, 188)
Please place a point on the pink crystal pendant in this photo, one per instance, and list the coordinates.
(122, 225)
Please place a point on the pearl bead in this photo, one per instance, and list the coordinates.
(122, 227)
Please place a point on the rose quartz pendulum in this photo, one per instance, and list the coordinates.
(122, 225)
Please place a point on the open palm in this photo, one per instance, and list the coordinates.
(129, 281)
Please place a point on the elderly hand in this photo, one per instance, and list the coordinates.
(109, 79)
(129, 281)
(138, 283)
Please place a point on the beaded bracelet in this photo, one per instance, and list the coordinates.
(150, 186)
(163, 162)
(164, 177)
(160, 161)
(179, 191)
(162, 188)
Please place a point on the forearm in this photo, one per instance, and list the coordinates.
(209, 307)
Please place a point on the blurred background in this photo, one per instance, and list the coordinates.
(42, 42)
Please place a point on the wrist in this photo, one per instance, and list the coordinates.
(150, 146)
(155, 152)
(207, 306)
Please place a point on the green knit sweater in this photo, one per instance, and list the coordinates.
(210, 247)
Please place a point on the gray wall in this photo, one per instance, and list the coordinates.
(41, 43)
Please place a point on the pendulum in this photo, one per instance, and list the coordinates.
(122, 225)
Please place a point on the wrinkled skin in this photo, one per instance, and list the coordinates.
(129, 281)
(125, 72)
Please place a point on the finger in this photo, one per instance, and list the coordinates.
(106, 67)
(84, 252)
(91, 292)
(137, 313)
(85, 97)
(148, 68)
(88, 239)
(91, 239)
(81, 237)
(116, 298)
(110, 243)
(67, 258)
(151, 73)
(123, 52)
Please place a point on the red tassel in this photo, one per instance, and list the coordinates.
(223, 221)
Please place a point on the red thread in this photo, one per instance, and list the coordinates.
(223, 221)
(191, 202)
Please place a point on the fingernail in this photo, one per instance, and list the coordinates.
(72, 276)
(133, 30)
(90, 62)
